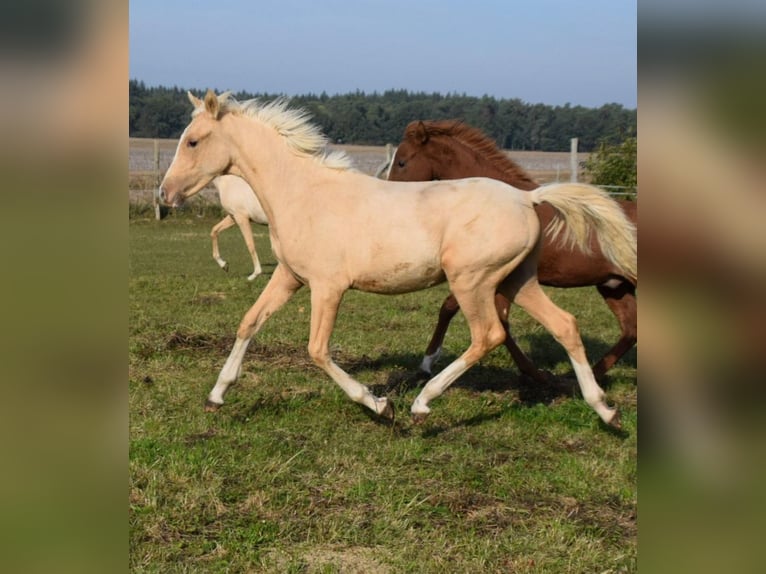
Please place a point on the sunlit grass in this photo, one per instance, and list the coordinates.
(291, 476)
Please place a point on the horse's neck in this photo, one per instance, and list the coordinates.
(483, 166)
(275, 173)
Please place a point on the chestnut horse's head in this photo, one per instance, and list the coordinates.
(201, 154)
(418, 157)
(450, 149)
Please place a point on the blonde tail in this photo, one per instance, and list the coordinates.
(584, 208)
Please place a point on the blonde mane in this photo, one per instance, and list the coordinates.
(294, 124)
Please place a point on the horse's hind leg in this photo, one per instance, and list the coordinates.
(487, 333)
(562, 325)
(277, 292)
(525, 365)
(222, 225)
(324, 309)
(448, 311)
(622, 302)
(243, 221)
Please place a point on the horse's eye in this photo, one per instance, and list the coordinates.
(192, 143)
(401, 163)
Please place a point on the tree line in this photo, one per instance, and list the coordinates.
(377, 119)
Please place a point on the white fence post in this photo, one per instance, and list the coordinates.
(573, 163)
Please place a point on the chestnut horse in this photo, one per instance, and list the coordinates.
(334, 229)
(452, 150)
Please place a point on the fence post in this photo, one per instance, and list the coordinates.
(573, 163)
(155, 198)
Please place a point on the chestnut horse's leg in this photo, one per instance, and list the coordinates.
(449, 309)
(225, 223)
(277, 292)
(562, 325)
(243, 221)
(325, 301)
(526, 366)
(622, 302)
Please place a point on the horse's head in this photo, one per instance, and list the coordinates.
(201, 154)
(412, 161)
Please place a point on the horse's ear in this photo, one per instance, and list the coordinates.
(195, 101)
(211, 103)
(421, 133)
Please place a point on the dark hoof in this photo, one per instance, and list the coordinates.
(388, 413)
(419, 418)
(226, 267)
(211, 407)
(423, 375)
(616, 420)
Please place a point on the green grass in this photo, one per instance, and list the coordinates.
(291, 476)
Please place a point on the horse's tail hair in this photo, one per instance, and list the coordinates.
(584, 208)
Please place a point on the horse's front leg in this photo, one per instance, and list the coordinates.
(486, 333)
(277, 292)
(243, 221)
(324, 309)
(222, 225)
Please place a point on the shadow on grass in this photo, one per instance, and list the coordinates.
(404, 374)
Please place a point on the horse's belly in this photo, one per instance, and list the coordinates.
(403, 277)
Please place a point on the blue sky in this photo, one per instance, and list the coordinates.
(547, 51)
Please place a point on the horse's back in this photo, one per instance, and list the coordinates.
(481, 217)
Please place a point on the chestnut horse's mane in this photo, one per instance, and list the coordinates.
(478, 141)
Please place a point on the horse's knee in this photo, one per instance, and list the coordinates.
(319, 355)
(489, 339)
(565, 330)
(495, 337)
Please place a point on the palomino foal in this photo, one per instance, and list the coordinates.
(335, 229)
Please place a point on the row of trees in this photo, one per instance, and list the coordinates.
(377, 119)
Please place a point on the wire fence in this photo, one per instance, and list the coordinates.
(150, 158)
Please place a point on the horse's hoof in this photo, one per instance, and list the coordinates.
(211, 407)
(419, 418)
(388, 412)
(616, 420)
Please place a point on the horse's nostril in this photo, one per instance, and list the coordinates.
(162, 194)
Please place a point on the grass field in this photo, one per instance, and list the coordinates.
(291, 476)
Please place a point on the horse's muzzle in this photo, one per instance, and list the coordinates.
(170, 199)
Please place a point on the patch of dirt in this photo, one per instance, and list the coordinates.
(335, 558)
(181, 341)
(209, 298)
